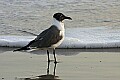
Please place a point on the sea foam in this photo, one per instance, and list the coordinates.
(96, 37)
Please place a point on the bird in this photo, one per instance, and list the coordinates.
(50, 38)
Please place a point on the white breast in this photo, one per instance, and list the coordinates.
(60, 26)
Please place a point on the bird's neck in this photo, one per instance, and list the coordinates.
(58, 24)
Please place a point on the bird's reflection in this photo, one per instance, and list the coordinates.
(47, 76)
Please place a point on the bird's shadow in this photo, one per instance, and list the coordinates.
(70, 52)
(47, 76)
(66, 52)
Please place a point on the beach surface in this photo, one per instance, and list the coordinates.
(20, 16)
(74, 64)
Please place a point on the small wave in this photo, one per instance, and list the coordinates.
(98, 37)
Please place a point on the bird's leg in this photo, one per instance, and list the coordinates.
(54, 56)
(48, 67)
(48, 56)
(54, 68)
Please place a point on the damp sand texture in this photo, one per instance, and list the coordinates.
(73, 65)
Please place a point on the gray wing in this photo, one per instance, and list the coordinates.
(47, 38)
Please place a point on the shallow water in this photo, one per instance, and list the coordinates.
(17, 16)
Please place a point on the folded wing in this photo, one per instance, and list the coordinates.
(47, 38)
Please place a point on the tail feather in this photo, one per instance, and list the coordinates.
(23, 48)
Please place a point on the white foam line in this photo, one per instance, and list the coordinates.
(98, 37)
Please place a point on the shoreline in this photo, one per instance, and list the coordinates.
(4, 49)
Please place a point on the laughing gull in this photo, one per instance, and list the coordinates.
(51, 37)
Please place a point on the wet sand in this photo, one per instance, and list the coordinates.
(74, 64)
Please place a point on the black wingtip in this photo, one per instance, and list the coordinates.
(17, 50)
(20, 49)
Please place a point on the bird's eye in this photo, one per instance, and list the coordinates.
(61, 16)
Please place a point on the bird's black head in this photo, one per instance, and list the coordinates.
(61, 17)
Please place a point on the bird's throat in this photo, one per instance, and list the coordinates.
(58, 24)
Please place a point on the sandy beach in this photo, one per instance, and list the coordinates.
(74, 64)
(18, 16)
